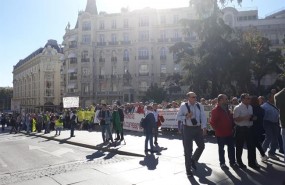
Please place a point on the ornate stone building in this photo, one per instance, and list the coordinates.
(118, 56)
(36, 79)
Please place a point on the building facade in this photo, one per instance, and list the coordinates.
(271, 27)
(118, 56)
(36, 80)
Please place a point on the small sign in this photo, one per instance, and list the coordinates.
(70, 102)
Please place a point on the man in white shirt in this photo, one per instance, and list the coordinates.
(194, 127)
(243, 118)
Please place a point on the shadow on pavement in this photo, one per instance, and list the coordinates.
(150, 162)
(95, 155)
(202, 172)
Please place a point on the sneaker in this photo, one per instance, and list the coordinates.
(193, 164)
(273, 157)
(224, 167)
(264, 158)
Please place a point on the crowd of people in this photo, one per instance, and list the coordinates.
(255, 121)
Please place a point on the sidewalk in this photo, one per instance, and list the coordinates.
(133, 145)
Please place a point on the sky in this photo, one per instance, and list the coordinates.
(26, 25)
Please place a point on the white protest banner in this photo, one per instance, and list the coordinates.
(70, 102)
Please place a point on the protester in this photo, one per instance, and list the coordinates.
(149, 122)
(73, 123)
(105, 118)
(271, 127)
(13, 124)
(222, 123)
(258, 131)
(58, 125)
(195, 126)
(280, 104)
(117, 123)
(243, 116)
(3, 122)
(158, 120)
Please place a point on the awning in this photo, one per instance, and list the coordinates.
(71, 86)
(72, 55)
(72, 70)
(72, 38)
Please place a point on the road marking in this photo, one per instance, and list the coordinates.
(57, 153)
(3, 164)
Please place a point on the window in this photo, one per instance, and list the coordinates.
(103, 86)
(175, 19)
(143, 35)
(163, 68)
(86, 39)
(85, 88)
(126, 55)
(143, 54)
(73, 76)
(102, 70)
(113, 39)
(101, 56)
(85, 71)
(114, 87)
(126, 23)
(126, 37)
(163, 53)
(114, 24)
(176, 34)
(114, 70)
(86, 26)
(114, 56)
(73, 44)
(163, 19)
(101, 40)
(84, 54)
(73, 60)
(143, 21)
(102, 25)
(143, 86)
(163, 34)
(143, 69)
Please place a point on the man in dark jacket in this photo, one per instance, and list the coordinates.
(222, 123)
(148, 128)
(122, 117)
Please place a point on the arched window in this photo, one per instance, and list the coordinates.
(143, 54)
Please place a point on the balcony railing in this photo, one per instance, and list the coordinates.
(101, 59)
(101, 43)
(143, 57)
(178, 39)
(162, 40)
(113, 43)
(85, 59)
(125, 42)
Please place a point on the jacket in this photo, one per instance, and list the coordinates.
(222, 122)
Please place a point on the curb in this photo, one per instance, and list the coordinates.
(100, 148)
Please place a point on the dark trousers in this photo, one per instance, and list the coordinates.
(191, 134)
(245, 135)
(148, 138)
(271, 136)
(229, 141)
(155, 133)
(3, 127)
(72, 127)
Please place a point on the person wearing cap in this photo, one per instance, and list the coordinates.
(194, 127)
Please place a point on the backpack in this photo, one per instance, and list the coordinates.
(143, 123)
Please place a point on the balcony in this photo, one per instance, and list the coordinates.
(101, 59)
(143, 73)
(73, 78)
(163, 40)
(125, 42)
(113, 43)
(126, 59)
(143, 57)
(85, 59)
(101, 43)
(178, 39)
(73, 46)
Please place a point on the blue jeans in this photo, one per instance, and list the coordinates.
(58, 129)
(148, 137)
(271, 136)
(104, 129)
(229, 141)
